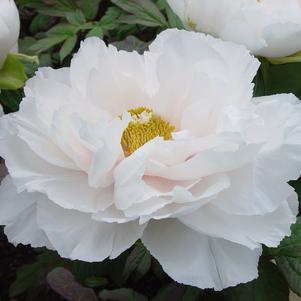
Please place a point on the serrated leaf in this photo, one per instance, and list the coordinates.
(122, 294)
(67, 47)
(63, 283)
(291, 268)
(271, 285)
(12, 74)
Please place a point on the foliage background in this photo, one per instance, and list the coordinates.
(51, 32)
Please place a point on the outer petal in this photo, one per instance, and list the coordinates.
(250, 231)
(277, 127)
(267, 28)
(195, 259)
(9, 28)
(68, 188)
(75, 235)
(12, 203)
(18, 214)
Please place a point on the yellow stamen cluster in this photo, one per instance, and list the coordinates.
(144, 126)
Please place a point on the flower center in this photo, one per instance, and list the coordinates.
(144, 126)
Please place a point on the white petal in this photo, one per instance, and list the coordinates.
(13, 203)
(75, 235)
(19, 215)
(113, 80)
(250, 231)
(188, 66)
(199, 260)
(267, 28)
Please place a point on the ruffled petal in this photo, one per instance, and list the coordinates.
(75, 235)
(188, 66)
(250, 231)
(199, 260)
(113, 80)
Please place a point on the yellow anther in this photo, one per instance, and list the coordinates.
(144, 126)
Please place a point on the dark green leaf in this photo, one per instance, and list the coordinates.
(63, 283)
(138, 262)
(39, 23)
(132, 43)
(67, 47)
(291, 268)
(63, 29)
(271, 285)
(33, 276)
(171, 292)
(281, 78)
(76, 18)
(11, 99)
(95, 32)
(90, 8)
(45, 44)
(12, 74)
(96, 281)
(144, 11)
(122, 294)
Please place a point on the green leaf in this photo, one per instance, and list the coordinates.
(192, 294)
(96, 281)
(12, 74)
(63, 283)
(122, 294)
(63, 29)
(95, 32)
(171, 292)
(76, 17)
(32, 277)
(138, 262)
(11, 99)
(67, 47)
(144, 12)
(39, 23)
(132, 43)
(291, 268)
(90, 8)
(271, 285)
(47, 43)
(281, 78)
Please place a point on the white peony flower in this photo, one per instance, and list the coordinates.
(9, 28)
(270, 28)
(167, 146)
